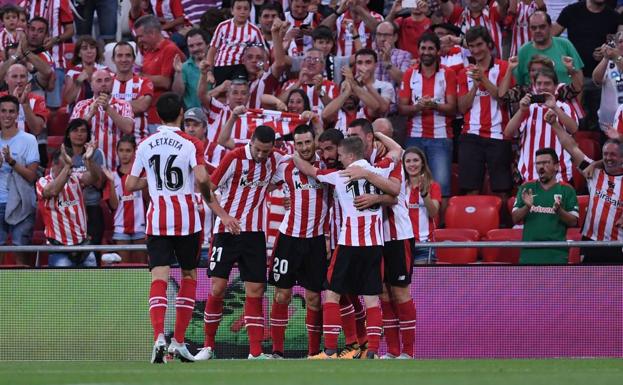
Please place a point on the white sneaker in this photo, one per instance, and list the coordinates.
(205, 354)
(261, 356)
(111, 258)
(159, 350)
(181, 351)
(404, 356)
(388, 356)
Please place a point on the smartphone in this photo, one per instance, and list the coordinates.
(539, 98)
(304, 26)
(471, 60)
(409, 4)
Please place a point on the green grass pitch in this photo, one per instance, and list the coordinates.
(301, 372)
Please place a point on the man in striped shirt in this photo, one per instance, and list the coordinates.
(300, 249)
(173, 162)
(243, 179)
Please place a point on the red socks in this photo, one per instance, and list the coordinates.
(158, 306)
(184, 305)
(347, 311)
(212, 317)
(360, 319)
(278, 323)
(374, 328)
(406, 313)
(390, 328)
(331, 324)
(313, 321)
(254, 321)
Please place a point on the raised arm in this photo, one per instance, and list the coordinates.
(224, 137)
(567, 142)
(512, 127)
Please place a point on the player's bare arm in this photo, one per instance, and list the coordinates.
(304, 166)
(394, 150)
(133, 183)
(389, 186)
(567, 142)
(202, 181)
(366, 201)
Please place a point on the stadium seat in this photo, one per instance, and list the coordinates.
(592, 135)
(54, 143)
(579, 182)
(499, 254)
(454, 180)
(589, 147)
(480, 212)
(456, 255)
(57, 124)
(583, 206)
(574, 234)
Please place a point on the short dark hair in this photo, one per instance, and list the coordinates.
(367, 51)
(614, 141)
(303, 94)
(548, 73)
(241, 1)
(479, 31)
(353, 145)
(304, 129)
(322, 32)
(430, 37)
(365, 125)
(198, 31)
(264, 134)
(169, 106)
(127, 138)
(547, 151)
(123, 43)
(270, 7)
(9, 8)
(10, 99)
(40, 20)
(332, 135)
(548, 18)
(148, 22)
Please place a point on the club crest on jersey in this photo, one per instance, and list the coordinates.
(611, 185)
(276, 276)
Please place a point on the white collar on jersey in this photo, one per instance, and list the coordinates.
(170, 128)
(247, 151)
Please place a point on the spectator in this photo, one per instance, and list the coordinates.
(410, 28)
(452, 54)
(194, 9)
(608, 76)
(11, 33)
(32, 113)
(59, 30)
(187, 73)
(237, 94)
(19, 160)
(86, 60)
(547, 208)
(128, 207)
(78, 139)
(268, 13)
(229, 41)
(64, 211)
(157, 64)
(106, 18)
(478, 13)
(298, 103)
(302, 22)
(518, 14)
(482, 143)
(354, 24)
(172, 19)
(393, 62)
(428, 98)
(543, 43)
(132, 88)
(529, 122)
(109, 117)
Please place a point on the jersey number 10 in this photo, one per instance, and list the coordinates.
(368, 188)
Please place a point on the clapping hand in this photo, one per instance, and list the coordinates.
(90, 150)
(528, 197)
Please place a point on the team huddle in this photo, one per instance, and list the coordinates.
(355, 207)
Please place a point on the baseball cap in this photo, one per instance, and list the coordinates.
(196, 114)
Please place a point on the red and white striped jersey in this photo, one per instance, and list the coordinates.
(618, 119)
(489, 18)
(344, 39)
(129, 91)
(423, 224)
(396, 220)
(328, 87)
(521, 32)
(64, 215)
(302, 44)
(129, 217)
(345, 118)
(57, 13)
(605, 207)
(207, 218)
(487, 117)
(309, 202)
(169, 10)
(335, 219)
(455, 59)
(168, 157)
(218, 114)
(104, 130)
(536, 133)
(213, 155)
(266, 84)
(359, 228)
(38, 106)
(231, 40)
(430, 124)
(76, 70)
(7, 37)
(243, 183)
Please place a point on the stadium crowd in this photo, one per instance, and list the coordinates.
(423, 106)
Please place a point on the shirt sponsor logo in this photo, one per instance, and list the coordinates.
(608, 199)
(66, 204)
(542, 210)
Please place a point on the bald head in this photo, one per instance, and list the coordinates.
(101, 82)
(384, 126)
(16, 77)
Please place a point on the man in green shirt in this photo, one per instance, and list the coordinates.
(547, 208)
(543, 43)
(187, 73)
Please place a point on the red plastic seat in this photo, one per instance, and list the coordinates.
(592, 135)
(54, 142)
(480, 212)
(589, 147)
(583, 206)
(57, 124)
(456, 255)
(574, 234)
(500, 254)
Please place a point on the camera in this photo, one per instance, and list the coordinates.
(540, 98)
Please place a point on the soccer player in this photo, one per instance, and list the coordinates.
(300, 250)
(243, 178)
(356, 264)
(547, 208)
(173, 162)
